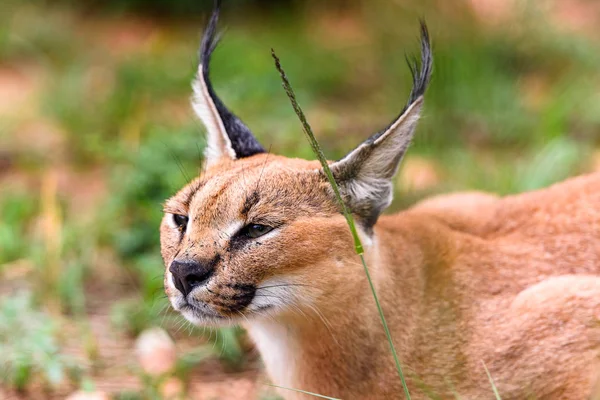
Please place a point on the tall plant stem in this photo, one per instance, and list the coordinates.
(358, 247)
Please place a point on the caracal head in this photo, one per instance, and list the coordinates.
(262, 235)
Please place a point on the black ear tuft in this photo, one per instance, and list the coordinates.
(420, 75)
(243, 142)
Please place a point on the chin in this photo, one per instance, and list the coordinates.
(200, 318)
(204, 315)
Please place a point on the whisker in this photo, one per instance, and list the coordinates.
(263, 169)
(326, 323)
(178, 162)
(284, 285)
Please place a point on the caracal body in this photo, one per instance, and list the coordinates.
(466, 281)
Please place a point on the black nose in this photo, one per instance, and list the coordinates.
(189, 274)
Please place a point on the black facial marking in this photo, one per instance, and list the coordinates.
(237, 301)
(238, 296)
(241, 286)
(193, 189)
(251, 200)
(237, 243)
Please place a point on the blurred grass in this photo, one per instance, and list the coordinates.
(95, 99)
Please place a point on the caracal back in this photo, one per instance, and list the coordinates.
(524, 269)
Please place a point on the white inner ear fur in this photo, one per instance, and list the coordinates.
(409, 118)
(391, 144)
(217, 142)
(372, 182)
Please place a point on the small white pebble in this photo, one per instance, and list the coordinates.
(81, 395)
(155, 351)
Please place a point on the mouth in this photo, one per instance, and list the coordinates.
(230, 304)
(201, 314)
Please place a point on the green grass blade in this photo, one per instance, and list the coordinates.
(303, 391)
(496, 393)
(357, 243)
(318, 152)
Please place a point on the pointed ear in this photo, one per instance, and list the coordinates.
(227, 135)
(365, 175)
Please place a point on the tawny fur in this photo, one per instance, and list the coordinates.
(467, 281)
(464, 280)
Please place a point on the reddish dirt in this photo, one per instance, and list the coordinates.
(115, 368)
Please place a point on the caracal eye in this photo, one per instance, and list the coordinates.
(255, 230)
(180, 221)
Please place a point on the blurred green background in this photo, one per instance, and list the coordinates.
(96, 132)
